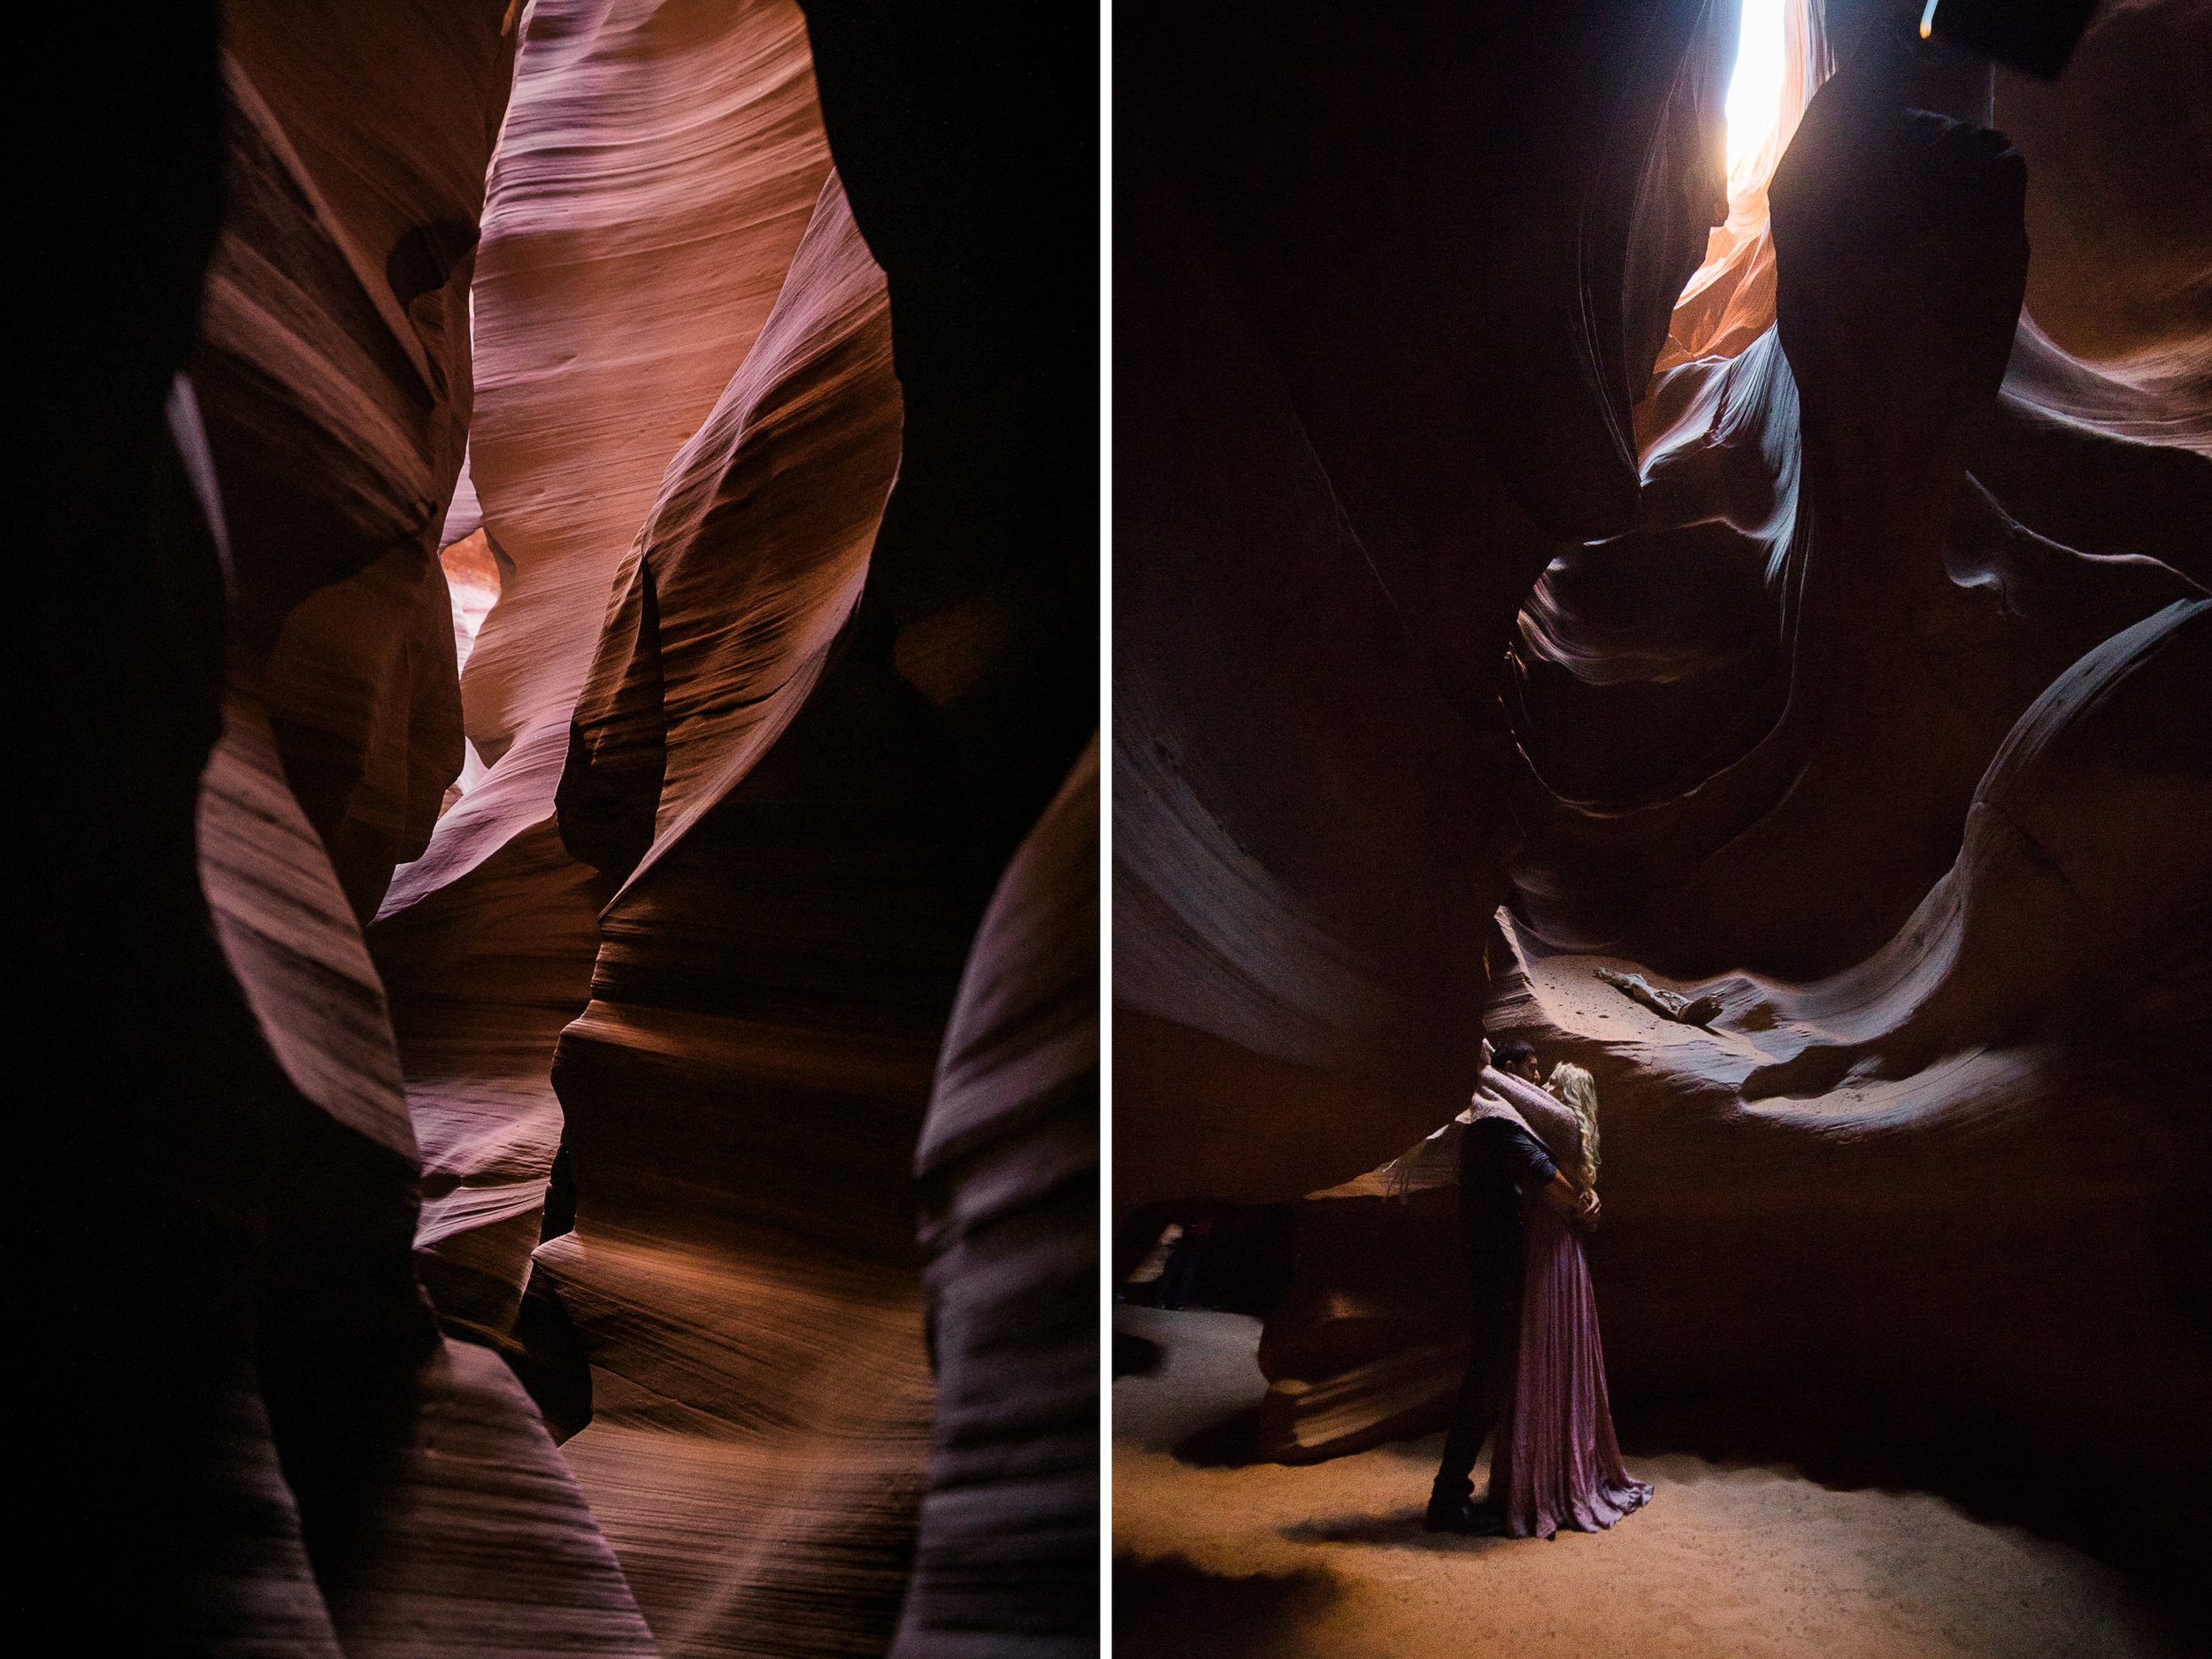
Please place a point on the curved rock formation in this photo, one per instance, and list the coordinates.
(753, 1042)
(1008, 1166)
(334, 365)
(2120, 189)
(659, 166)
(331, 1154)
(303, 1462)
(656, 171)
(1346, 477)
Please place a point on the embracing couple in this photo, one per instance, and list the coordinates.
(1528, 1161)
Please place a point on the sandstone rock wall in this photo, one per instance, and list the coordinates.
(1396, 280)
(296, 1307)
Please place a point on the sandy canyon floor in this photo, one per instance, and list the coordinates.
(1331, 1562)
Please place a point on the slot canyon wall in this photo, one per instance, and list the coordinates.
(1835, 647)
(563, 552)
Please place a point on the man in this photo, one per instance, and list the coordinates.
(1499, 1163)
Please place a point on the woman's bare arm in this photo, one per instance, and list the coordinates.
(1563, 1195)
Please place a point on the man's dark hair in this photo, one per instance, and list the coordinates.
(1512, 1051)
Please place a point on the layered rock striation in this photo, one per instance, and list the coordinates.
(559, 812)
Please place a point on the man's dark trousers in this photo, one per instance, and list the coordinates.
(1498, 1163)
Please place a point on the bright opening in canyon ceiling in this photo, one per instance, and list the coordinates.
(1754, 92)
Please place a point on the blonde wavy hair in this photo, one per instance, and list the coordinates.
(1578, 1091)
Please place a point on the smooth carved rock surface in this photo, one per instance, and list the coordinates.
(740, 1392)
(1007, 1163)
(305, 1132)
(1694, 745)
(788, 843)
(489, 940)
(416, 1485)
(1370, 423)
(483, 974)
(2120, 187)
(1996, 1110)
(302, 968)
(657, 169)
(659, 165)
(2022, 1049)
(1729, 301)
(732, 1067)
(334, 366)
(748, 565)
(420, 1505)
(757, 1036)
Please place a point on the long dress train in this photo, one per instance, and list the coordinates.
(1554, 1463)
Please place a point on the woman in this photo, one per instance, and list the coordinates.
(1553, 1462)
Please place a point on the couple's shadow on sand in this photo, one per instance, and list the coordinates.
(1230, 1444)
(1399, 1528)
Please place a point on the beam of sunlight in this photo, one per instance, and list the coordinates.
(1779, 60)
(1754, 92)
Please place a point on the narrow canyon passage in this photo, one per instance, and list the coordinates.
(579, 940)
(1732, 620)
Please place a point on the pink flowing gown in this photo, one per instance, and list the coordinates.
(1554, 1463)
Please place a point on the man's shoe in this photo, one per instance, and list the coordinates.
(1465, 1517)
